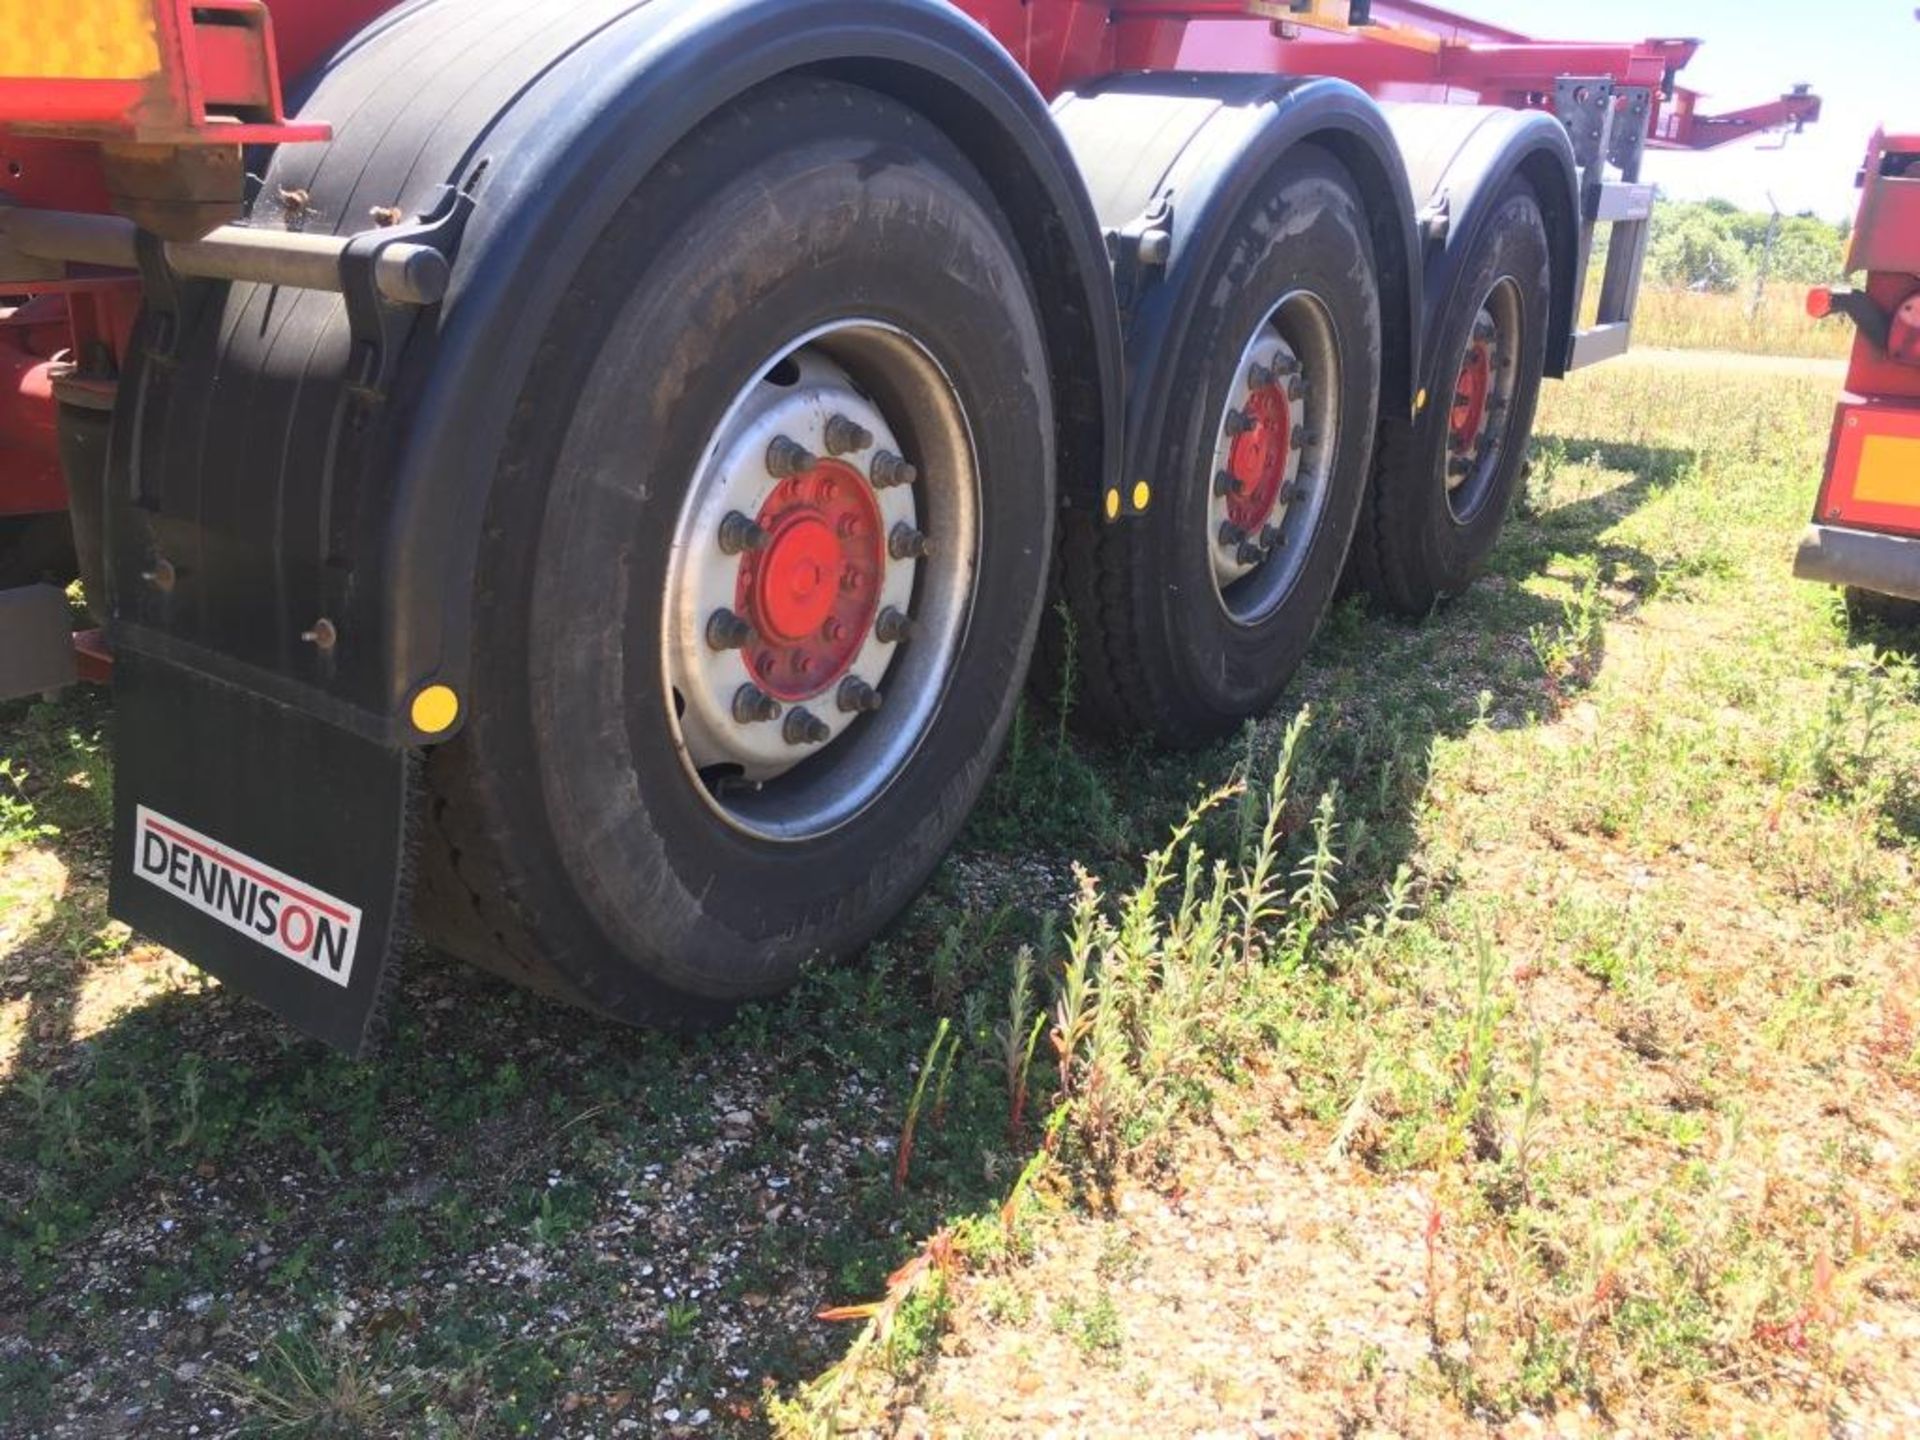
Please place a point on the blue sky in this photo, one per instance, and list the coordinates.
(1862, 56)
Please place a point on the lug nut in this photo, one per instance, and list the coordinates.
(740, 533)
(1259, 377)
(1292, 492)
(803, 727)
(856, 697)
(751, 705)
(845, 437)
(1460, 465)
(891, 627)
(889, 470)
(1304, 439)
(787, 457)
(1285, 365)
(907, 543)
(1231, 535)
(1226, 483)
(1249, 554)
(727, 631)
(1239, 422)
(1270, 537)
(1296, 387)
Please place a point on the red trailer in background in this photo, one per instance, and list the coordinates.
(586, 478)
(1865, 533)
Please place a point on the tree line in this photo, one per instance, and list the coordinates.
(1713, 245)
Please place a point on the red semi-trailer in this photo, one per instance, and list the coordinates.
(1865, 533)
(587, 479)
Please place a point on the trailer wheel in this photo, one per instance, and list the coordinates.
(764, 565)
(1196, 614)
(1444, 482)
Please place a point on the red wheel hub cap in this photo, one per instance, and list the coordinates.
(811, 592)
(1471, 392)
(1258, 461)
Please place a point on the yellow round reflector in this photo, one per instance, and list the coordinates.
(435, 709)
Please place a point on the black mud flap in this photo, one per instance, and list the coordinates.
(264, 845)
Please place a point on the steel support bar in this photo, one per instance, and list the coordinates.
(406, 274)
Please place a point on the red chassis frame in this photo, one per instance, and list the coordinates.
(222, 63)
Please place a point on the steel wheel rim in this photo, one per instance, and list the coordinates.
(1480, 415)
(760, 775)
(1273, 455)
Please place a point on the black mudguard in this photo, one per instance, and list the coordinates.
(1190, 149)
(296, 486)
(1460, 159)
(287, 475)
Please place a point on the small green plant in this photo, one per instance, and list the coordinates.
(20, 823)
(1472, 1109)
(1569, 653)
(1093, 1326)
(1015, 1038)
(305, 1387)
(681, 1316)
(939, 1058)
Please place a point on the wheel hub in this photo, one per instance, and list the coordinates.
(1483, 393)
(812, 593)
(1260, 458)
(1472, 391)
(820, 580)
(1273, 457)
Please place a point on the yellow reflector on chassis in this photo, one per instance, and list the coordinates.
(1889, 472)
(78, 40)
(435, 709)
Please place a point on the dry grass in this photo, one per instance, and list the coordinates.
(1685, 320)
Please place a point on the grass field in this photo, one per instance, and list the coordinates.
(1524, 1039)
(1685, 320)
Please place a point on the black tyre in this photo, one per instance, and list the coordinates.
(1444, 482)
(765, 561)
(1196, 614)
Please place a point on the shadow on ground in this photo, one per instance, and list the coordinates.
(519, 1218)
